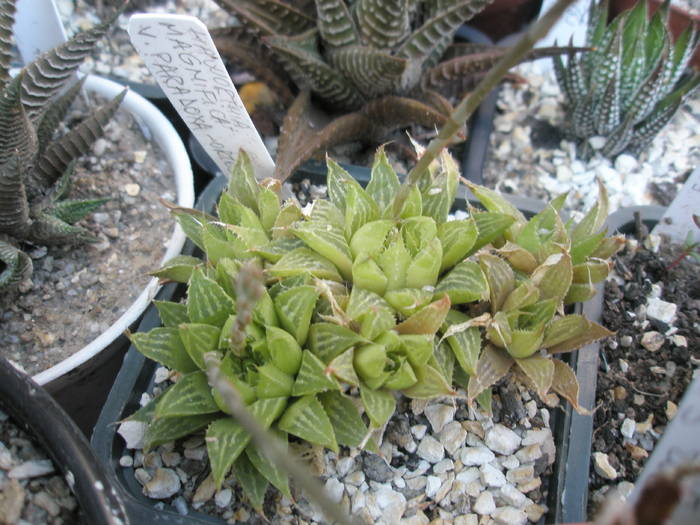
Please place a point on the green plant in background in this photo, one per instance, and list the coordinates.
(377, 66)
(35, 169)
(319, 316)
(630, 85)
(689, 248)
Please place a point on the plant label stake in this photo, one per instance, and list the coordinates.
(678, 219)
(37, 28)
(679, 447)
(180, 54)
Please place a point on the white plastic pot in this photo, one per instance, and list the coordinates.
(89, 358)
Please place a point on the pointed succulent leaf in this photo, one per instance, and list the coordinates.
(408, 301)
(360, 209)
(7, 17)
(164, 346)
(168, 429)
(268, 206)
(207, 302)
(496, 203)
(565, 384)
(579, 293)
(171, 314)
(243, 186)
(379, 405)
(540, 370)
(425, 266)
(190, 396)
(394, 262)
(368, 275)
(401, 378)
(563, 328)
(369, 239)
(491, 367)
(490, 226)
(500, 278)
(412, 206)
(591, 271)
(578, 339)
(294, 308)
(384, 183)
(466, 345)
(270, 16)
(373, 71)
(178, 268)
(348, 426)
(343, 368)
(199, 339)
(328, 340)
(364, 301)
(525, 294)
(417, 348)
(369, 361)
(457, 238)
(61, 152)
(312, 377)
(276, 476)
(430, 384)
(465, 283)
(443, 360)
(335, 23)
(272, 382)
(307, 419)
(427, 320)
(284, 350)
(304, 260)
(327, 243)
(274, 250)
(518, 257)
(288, 215)
(253, 483)
(226, 440)
(17, 265)
(553, 277)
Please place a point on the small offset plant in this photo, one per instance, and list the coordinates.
(35, 168)
(376, 66)
(630, 85)
(319, 317)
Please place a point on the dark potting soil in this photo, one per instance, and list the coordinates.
(646, 367)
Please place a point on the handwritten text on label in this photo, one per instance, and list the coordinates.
(181, 55)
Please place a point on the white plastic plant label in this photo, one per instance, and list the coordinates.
(679, 447)
(678, 219)
(181, 55)
(37, 28)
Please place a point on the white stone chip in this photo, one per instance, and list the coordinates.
(509, 516)
(476, 456)
(133, 433)
(603, 467)
(661, 312)
(31, 469)
(334, 489)
(433, 484)
(512, 496)
(491, 476)
(484, 504)
(430, 450)
(452, 437)
(628, 427)
(439, 415)
(502, 440)
(164, 483)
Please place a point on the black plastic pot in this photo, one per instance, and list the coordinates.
(33, 408)
(568, 494)
(136, 377)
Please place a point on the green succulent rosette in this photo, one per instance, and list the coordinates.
(362, 299)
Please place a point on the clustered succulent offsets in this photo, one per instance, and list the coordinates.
(35, 168)
(319, 316)
(631, 83)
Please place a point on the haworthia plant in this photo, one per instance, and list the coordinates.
(35, 168)
(377, 66)
(630, 85)
(363, 300)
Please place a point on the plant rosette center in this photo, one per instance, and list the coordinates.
(319, 317)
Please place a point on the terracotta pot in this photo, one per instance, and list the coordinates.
(678, 20)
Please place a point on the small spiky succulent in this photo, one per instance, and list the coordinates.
(377, 66)
(367, 294)
(630, 85)
(35, 169)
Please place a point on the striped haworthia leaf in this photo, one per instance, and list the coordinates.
(306, 418)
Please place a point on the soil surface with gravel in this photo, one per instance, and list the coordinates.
(648, 365)
(78, 291)
(31, 490)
